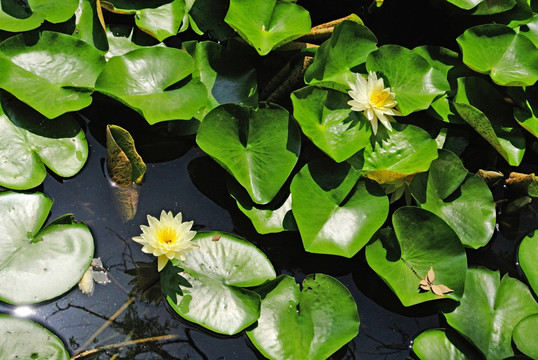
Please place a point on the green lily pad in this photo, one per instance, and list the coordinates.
(18, 16)
(490, 309)
(528, 252)
(434, 344)
(163, 21)
(530, 30)
(258, 147)
(88, 25)
(275, 22)
(52, 74)
(29, 143)
(208, 15)
(461, 199)
(525, 336)
(526, 115)
(482, 107)
(148, 80)
(347, 48)
(420, 241)
(131, 6)
(25, 339)
(405, 150)
(335, 213)
(38, 264)
(123, 39)
(414, 81)
(218, 273)
(227, 78)
(327, 120)
(312, 323)
(510, 59)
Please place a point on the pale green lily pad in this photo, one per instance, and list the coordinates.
(525, 336)
(347, 48)
(258, 147)
(420, 241)
(312, 323)
(414, 81)
(163, 21)
(435, 344)
(392, 155)
(510, 59)
(148, 80)
(18, 16)
(327, 120)
(227, 78)
(38, 264)
(528, 253)
(218, 273)
(267, 24)
(29, 143)
(54, 74)
(490, 309)
(25, 339)
(462, 199)
(335, 213)
(482, 107)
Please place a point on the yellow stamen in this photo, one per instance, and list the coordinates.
(379, 98)
(167, 235)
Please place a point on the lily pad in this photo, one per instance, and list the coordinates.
(227, 78)
(347, 48)
(258, 147)
(490, 309)
(461, 199)
(525, 336)
(148, 80)
(275, 22)
(53, 74)
(414, 81)
(435, 344)
(163, 21)
(25, 339)
(218, 273)
(123, 39)
(29, 142)
(405, 150)
(528, 253)
(482, 107)
(312, 323)
(327, 120)
(38, 264)
(336, 214)
(125, 165)
(131, 6)
(526, 115)
(90, 26)
(209, 18)
(510, 59)
(420, 241)
(27, 15)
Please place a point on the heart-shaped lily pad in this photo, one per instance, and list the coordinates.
(421, 241)
(312, 323)
(275, 22)
(53, 74)
(348, 47)
(227, 78)
(483, 107)
(436, 344)
(415, 82)
(148, 80)
(162, 21)
(218, 273)
(528, 253)
(38, 264)
(25, 339)
(510, 59)
(392, 155)
(29, 141)
(525, 336)
(27, 15)
(258, 147)
(327, 119)
(335, 213)
(463, 200)
(490, 309)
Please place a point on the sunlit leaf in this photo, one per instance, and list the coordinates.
(528, 252)
(525, 336)
(27, 15)
(437, 344)
(89, 27)
(163, 21)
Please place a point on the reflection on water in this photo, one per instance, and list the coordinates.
(126, 319)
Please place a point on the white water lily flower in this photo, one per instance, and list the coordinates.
(166, 238)
(376, 101)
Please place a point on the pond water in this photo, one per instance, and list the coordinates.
(180, 177)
